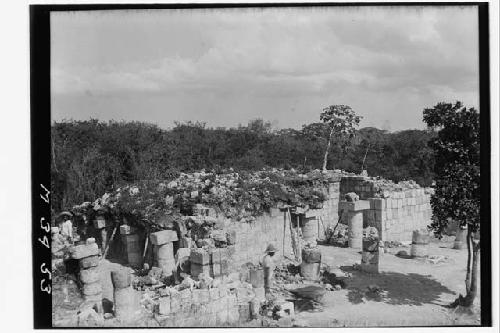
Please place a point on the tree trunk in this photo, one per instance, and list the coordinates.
(472, 292)
(472, 275)
(469, 257)
(364, 158)
(327, 149)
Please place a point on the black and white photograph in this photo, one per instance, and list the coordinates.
(300, 165)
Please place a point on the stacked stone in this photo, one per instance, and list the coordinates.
(362, 185)
(200, 262)
(163, 250)
(420, 243)
(200, 308)
(219, 262)
(309, 226)
(398, 209)
(123, 300)
(460, 239)
(132, 245)
(370, 255)
(354, 210)
(88, 259)
(311, 262)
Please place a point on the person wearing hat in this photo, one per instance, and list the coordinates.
(269, 265)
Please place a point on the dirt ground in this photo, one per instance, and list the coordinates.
(413, 291)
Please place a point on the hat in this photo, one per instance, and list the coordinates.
(271, 248)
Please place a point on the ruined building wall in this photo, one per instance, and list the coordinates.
(252, 238)
(395, 209)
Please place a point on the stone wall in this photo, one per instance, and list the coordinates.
(206, 307)
(395, 209)
(328, 215)
(252, 238)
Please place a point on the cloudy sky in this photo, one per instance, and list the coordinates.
(225, 67)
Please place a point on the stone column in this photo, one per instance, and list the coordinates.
(123, 299)
(420, 243)
(354, 211)
(88, 259)
(311, 262)
(309, 226)
(163, 249)
(370, 256)
(460, 239)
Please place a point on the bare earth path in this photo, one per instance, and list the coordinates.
(414, 291)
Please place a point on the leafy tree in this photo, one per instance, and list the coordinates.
(342, 121)
(457, 169)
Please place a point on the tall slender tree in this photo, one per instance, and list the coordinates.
(342, 121)
(457, 169)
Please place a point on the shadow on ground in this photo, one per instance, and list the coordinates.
(394, 288)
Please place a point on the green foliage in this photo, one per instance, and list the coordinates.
(457, 165)
(92, 157)
(341, 119)
(240, 196)
(342, 122)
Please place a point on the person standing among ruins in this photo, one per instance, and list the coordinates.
(269, 265)
(67, 229)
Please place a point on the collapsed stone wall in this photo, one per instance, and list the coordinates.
(208, 307)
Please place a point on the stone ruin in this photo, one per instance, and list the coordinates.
(208, 252)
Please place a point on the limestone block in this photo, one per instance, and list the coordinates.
(354, 206)
(311, 255)
(419, 250)
(92, 261)
(199, 256)
(164, 306)
(175, 302)
(370, 244)
(126, 229)
(369, 268)
(167, 266)
(124, 306)
(370, 257)
(120, 278)
(260, 293)
(165, 251)
(186, 297)
(215, 270)
(233, 315)
(197, 269)
(244, 312)
(90, 275)
(257, 278)
(286, 309)
(310, 271)
(84, 251)
(204, 296)
(214, 294)
(92, 289)
(163, 237)
(221, 317)
(420, 236)
(99, 223)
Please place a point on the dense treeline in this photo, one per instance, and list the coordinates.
(91, 157)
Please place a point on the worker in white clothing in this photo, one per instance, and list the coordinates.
(269, 265)
(67, 229)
